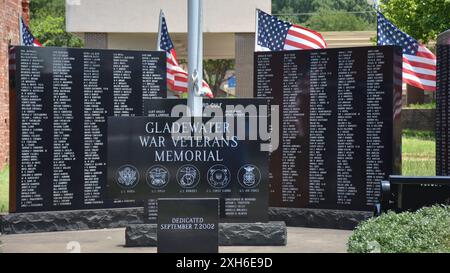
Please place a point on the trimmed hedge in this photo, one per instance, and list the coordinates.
(426, 230)
(423, 135)
(431, 105)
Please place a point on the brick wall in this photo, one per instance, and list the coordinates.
(9, 34)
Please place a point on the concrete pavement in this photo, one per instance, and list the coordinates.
(113, 240)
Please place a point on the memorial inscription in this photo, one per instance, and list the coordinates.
(167, 157)
(60, 101)
(163, 107)
(339, 124)
(188, 225)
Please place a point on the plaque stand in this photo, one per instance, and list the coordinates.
(230, 234)
(272, 233)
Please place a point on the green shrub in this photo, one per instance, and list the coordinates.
(4, 189)
(424, 135)
(427, 230)
(431, 105)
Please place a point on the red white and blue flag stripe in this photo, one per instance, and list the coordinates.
(419, 63)
(177, 77)
(273, 34)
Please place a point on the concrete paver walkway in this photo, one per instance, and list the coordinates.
(113, 240)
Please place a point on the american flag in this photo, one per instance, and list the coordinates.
(26, 39)
(419, 63)
(274, 34)
(177, 78)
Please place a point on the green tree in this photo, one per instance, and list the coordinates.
(48, 24)
(422, 19)
(293, 6)
(327, 20)
(305, 10)
(214, 72)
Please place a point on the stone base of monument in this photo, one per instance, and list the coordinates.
(319, 218)
(30, 222)
(230, 234)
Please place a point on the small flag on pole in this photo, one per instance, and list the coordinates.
(177, 78)
(419, 63)
(273, 34)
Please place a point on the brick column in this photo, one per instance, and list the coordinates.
(9, 34)
(245, 46)
(26, 11)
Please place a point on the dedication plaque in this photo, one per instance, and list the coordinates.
(148, 159)
(188, 225)
(442, 103)
(340, 129)
(59, 104)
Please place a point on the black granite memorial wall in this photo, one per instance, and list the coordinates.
(339, 124)
(442, 103)
(59, 104)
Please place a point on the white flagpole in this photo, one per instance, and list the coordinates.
(195, 57)
(256, 30)
(158, 39)
(20, 31)
(200, 49)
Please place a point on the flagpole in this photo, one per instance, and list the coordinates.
(158, 39)
(200, 49)
(195, 57)
(256, 30)
(20, 30)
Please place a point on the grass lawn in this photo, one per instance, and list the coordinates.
(4, 189)
(418, 153)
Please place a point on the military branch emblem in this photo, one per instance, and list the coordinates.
(188, 176)
(157, 176)
(218, 176)
(127, 176)
(249, 176)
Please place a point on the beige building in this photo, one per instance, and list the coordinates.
(229, 29)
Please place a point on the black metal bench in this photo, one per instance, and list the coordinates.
(401, 193)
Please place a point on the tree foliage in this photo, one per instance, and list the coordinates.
(326, 20)
(214, 72)
(325, 15)
(48, 24)
(422, 19)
